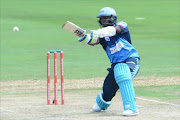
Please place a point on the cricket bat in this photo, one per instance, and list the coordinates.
(71, 27)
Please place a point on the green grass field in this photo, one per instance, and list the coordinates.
(23, 54)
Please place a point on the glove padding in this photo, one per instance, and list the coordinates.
(95, 34)
(106, 31)
(84, 39)
(89, 38)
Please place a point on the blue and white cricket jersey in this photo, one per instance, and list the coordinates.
(118, 48)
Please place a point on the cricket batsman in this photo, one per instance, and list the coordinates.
(116, 41)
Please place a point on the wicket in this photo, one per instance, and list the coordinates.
(55, 77)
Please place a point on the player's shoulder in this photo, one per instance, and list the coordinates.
(122, 23)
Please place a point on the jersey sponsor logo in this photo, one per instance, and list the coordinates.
(116, 48)
(107, 38)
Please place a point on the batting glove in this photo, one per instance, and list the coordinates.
(90, 38)
(84, 39)
(94, 36)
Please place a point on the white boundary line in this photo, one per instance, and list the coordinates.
(157, 101)
(139, 18)
(7, 110)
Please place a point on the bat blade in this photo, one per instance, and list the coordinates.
(71, 27)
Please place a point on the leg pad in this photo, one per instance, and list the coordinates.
(103, 104)
(123, 78)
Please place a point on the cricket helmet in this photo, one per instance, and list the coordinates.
(107, 12)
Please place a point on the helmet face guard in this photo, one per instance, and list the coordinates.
(112, 20)
(107, 12)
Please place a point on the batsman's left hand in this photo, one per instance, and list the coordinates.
(84, 39)
(91, 38)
